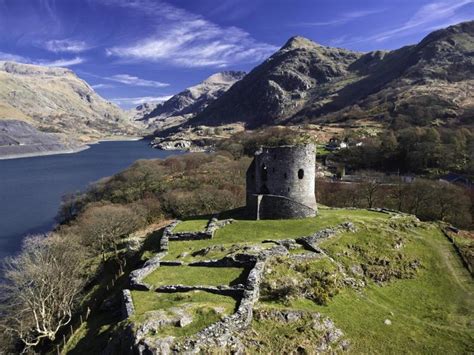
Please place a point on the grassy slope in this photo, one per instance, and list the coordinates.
(430, 313)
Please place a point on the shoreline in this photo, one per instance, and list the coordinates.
(70, 151)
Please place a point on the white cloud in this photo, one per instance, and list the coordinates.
(136, 81)
(66, 45)
(60, 62)
(186, 39)
(102, 86)
(428, 14)
(43, 62)
(129, 101)
(342, 19)
(435, 15)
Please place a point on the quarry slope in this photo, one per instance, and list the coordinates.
(57, 102)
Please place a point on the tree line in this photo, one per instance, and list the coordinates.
(419, 150)
(427, 199)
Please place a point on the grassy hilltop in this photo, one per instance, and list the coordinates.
(409, 292)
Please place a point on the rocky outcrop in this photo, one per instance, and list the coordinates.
(198, 138)
(310, 242)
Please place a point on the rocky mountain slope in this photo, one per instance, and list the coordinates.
(186, 104)
(429, 82)
(56, 100)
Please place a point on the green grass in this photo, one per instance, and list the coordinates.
(203, 316)
(202, 306)
(321, 150)
(195, 275)
(429, 313)
(193, 225)
(246, 232)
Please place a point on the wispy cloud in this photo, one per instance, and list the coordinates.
(129, 101)
(102, 86)
(136, 81)
(434, 15)
(60, 62)
(44, 62)
(342, 19)
(185, 39)
(427, 16)
(66, 45)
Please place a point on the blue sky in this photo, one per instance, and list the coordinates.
(132, 51)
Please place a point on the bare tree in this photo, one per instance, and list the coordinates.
(103, 226)
(419, 196)
(40, 289)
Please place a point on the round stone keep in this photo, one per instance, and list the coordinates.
(281, 182)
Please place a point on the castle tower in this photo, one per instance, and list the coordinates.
(281, 182)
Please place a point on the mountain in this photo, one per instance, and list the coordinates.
(56, 100)
(420, 84)
(186, 104)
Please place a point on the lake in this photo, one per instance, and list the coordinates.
(31, 188)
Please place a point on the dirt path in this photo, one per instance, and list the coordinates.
(453, 264)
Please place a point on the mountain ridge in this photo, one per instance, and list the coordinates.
(192, 100)
(307, 82)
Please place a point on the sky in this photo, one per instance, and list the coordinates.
(135, 51)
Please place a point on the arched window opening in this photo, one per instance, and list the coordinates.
(264, 173)
(300, 174)
(285, 175)
(273, 170)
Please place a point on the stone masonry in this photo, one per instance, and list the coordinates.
(281, 183)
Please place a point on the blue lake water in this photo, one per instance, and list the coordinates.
(31, 188)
